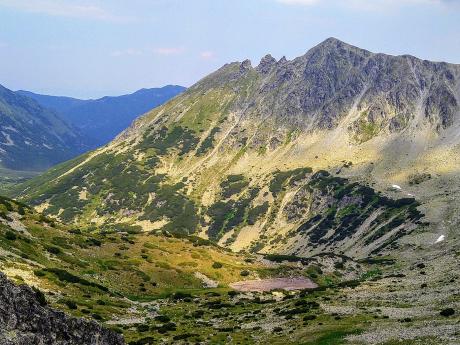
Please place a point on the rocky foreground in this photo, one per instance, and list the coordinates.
(26, 319)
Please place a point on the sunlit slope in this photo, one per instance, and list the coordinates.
(206, 162)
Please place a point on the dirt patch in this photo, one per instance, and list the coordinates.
(262, 285)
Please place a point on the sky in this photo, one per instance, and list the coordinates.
(92, 48)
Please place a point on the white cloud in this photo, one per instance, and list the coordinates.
(206, 55)
(168, 51)
(366, 4)
(62, 8)
(126, 52)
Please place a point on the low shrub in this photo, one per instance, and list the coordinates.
(162, 318)
(447, 312)
(71, 304)
(244, 273)
(217, 265)
(11, 236)
(53, 250)
(142, 328)
(39, 296)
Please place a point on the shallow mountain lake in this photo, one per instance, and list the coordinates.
(262, 285)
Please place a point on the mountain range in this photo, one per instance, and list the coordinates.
(102, 119)
(337, 169)
(39, 131)
(33, 137)
(248, 141)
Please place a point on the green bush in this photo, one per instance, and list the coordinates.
(207, 142)
(162, 318)
(217, 265)
(53, 250)
(232, 185)
(142, 328)
(65, 276)
(198, 313)
(39, 296)
(11, 236)
(39, 273)
(309, 317)
(170, 326)
(71, 304)
(232, 293)
(97, 317)
(256, 212)
(244, 273)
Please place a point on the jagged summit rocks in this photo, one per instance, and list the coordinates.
(320, 88)
(25, 320)
(245, 66)
(266, 64)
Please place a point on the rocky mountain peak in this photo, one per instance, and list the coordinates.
(334, 44)
(266, 64)
(283, 60)
(245, 66)
(332, 41)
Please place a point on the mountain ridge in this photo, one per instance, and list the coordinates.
(322, 63)
(103, 118)
(33, 137)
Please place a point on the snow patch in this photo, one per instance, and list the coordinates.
(440, 239)
(395, 186)
(10, 128)
(9, 141)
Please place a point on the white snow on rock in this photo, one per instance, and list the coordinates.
(395, 186)
(9, 141)
(10, 128)
(440, 239)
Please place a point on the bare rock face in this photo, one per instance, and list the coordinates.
(320, 88)
(25, 319)
(266, 64)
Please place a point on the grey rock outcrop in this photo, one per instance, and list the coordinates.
(27, 320)
(266, 64)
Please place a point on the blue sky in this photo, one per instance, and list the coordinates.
(91, 48)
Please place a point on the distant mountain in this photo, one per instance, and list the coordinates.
(33, 138)
(102, 119)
